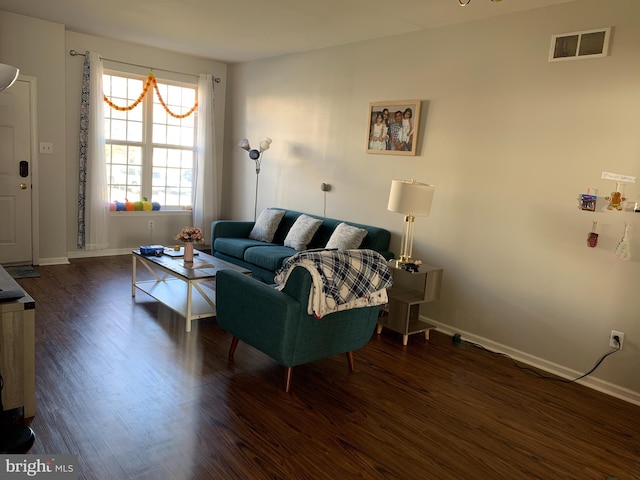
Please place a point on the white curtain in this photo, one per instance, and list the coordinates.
(206, 192)
(93, 199)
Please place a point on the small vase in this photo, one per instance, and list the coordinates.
(188, 252)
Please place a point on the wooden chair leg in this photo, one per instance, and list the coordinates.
(232, 348)
(352, 365)
(288, 374)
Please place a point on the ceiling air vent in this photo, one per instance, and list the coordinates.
(578, 45)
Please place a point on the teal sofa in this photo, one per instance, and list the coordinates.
(230, 241)
(277, 323)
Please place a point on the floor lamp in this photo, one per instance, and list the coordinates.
(412, 199)
(256, 155)
(13, 438)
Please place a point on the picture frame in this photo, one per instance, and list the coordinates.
(391, 135)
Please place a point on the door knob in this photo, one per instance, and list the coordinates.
(23, 186)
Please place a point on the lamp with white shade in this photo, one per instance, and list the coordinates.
(412, 199)
(8, 75)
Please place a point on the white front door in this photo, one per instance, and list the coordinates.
(15, 177)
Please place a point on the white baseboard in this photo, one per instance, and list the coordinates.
(99, 253)
(84, 254)
(54, 261)
(550, 367)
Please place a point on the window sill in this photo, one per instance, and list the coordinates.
(145, 213)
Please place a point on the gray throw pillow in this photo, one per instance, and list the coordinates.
(302, 232)
(346, 237)
(266, 225)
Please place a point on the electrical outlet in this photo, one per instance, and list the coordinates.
(151, 224)
(612, 342)
(46, 147)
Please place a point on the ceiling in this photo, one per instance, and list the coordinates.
(243, 30)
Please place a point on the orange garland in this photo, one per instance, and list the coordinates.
(151, 80)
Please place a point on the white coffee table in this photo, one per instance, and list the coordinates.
(180, 285)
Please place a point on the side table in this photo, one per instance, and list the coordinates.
(409, 291)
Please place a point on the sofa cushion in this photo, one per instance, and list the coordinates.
(377, 239)
(235, 247)
(270, 257)
(302, 232)
(266, 225)
(346, 237)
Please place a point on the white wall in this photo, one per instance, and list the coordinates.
(510, 141)
(36, 47)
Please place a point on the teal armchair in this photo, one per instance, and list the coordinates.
(277, 323)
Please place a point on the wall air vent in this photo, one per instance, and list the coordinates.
(578, 45)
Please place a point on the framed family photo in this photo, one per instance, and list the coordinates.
(392, 127)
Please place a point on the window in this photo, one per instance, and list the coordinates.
(149, 153)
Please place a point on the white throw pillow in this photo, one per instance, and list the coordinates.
(266, 225)
(302, 232)
(346, 237)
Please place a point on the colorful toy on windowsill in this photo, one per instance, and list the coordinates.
(143, 206)
(127, 206)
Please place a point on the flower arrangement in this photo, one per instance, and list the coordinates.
(190, 234)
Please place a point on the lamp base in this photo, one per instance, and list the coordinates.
(403, 260)
(16, 439)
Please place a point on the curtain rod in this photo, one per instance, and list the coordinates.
(75, 53)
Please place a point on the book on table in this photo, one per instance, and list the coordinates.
(172, 252)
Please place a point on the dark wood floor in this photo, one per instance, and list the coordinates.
(120, 384)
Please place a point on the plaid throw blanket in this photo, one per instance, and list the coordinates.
(341, 279)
